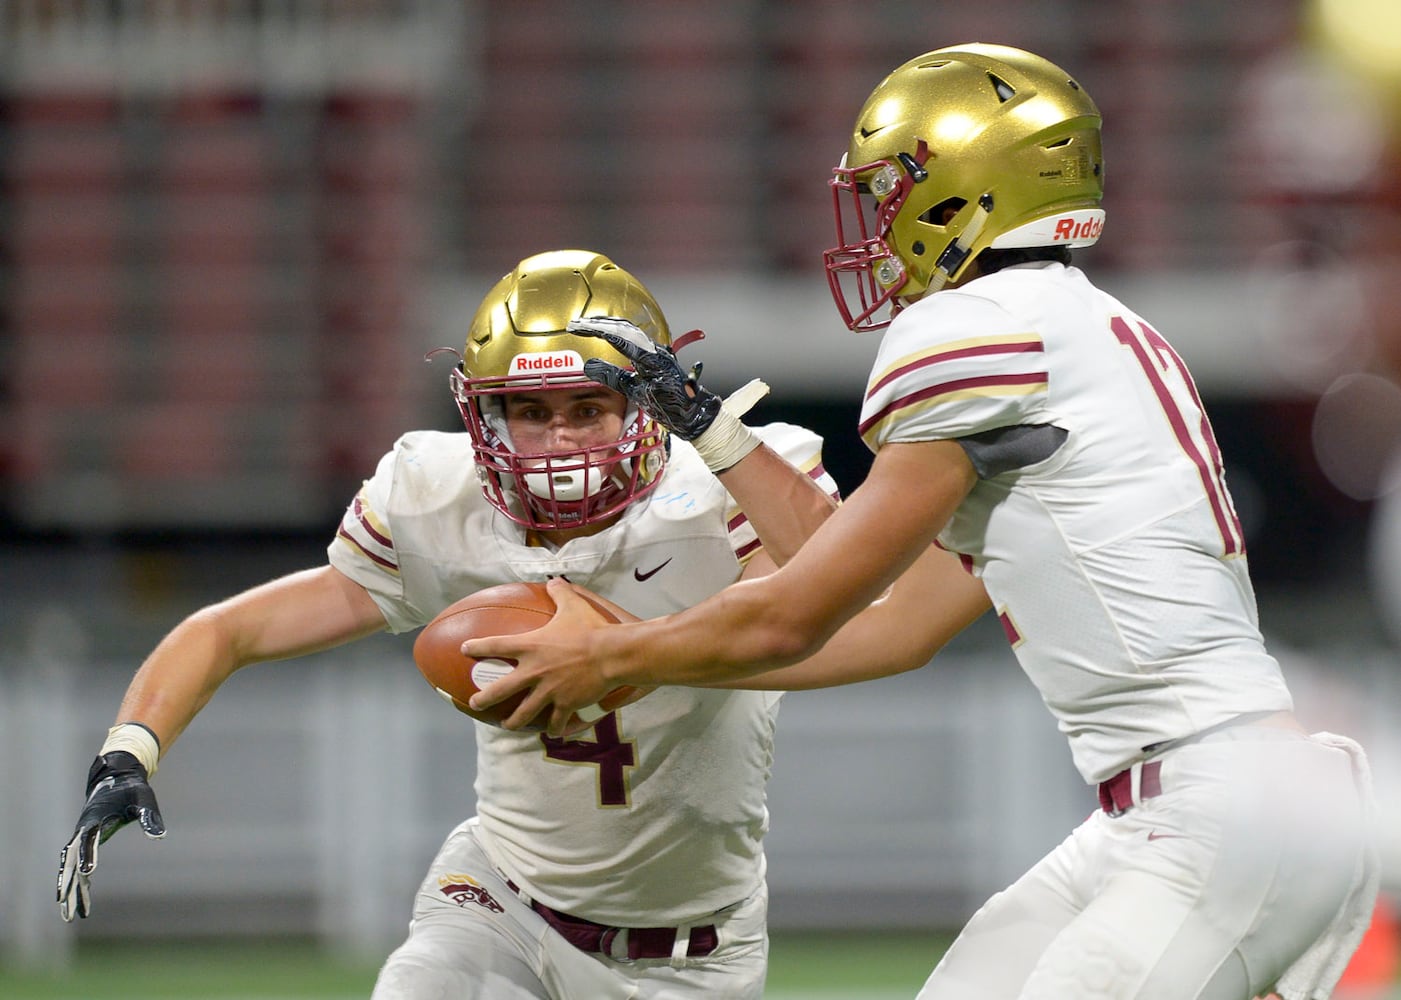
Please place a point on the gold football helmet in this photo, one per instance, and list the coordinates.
(963, 149)
(518, 342)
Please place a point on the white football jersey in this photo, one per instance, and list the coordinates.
(656, 815)
(1117, 564)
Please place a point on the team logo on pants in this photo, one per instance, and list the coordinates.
(463, 889)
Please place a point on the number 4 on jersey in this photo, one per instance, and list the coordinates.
(606, 751)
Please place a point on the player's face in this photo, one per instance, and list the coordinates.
(559, 421)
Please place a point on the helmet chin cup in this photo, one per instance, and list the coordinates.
(565, 485)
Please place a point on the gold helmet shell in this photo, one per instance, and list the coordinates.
(962, 149)
(521, 321)
(518, 342)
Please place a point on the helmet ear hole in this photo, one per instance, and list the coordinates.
(940, 214)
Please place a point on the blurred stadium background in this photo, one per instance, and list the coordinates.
(230, 230)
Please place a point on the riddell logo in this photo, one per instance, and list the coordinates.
(1070, 228)
(549, 361)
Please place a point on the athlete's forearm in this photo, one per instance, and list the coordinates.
(884, 528)
(730, 636)
(927, 606)
(755, 625)
(291, 616)
(784, 504)
(759, 624)
(179, 677)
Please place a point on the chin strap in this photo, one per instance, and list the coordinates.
(956, 252)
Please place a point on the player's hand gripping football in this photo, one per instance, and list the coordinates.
(118, 793)
(656, 383)
(552, 662)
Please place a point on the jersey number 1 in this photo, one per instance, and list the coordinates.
(1178, 398)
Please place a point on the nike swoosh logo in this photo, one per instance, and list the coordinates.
(1155, 835)
(641, 577)
(866, 133)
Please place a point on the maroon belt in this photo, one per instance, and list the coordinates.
(1116, 794)
(642, 942)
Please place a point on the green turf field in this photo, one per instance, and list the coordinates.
(821, 967)
(802, 967)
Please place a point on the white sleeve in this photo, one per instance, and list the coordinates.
(956, 367)
(363, 548)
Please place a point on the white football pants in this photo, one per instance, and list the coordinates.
(1207, 892)
(479, 941)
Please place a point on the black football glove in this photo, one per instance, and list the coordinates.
(117, 794)
(656, 383)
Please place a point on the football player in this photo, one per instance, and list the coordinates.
(1052, 443)
(626, 860)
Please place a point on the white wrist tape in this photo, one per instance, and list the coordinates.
(727, 440)
(136, 740)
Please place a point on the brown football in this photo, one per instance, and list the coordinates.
(504, 610)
